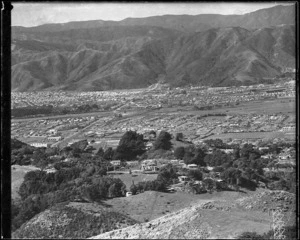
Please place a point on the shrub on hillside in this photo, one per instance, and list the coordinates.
(69, 222)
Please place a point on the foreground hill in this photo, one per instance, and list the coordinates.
(194, 223)
(73, 220)
(134, 53)
(220, 218)
(222, 214)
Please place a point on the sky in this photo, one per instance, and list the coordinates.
(32, 14)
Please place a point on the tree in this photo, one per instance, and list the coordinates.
(199, 157)
(163, 141)
(188, 154)
(108, 154)
(130, 146)
(209, 184)
(112, 191)
(179, 136)
(236, 153)
(179, 152)
(100, 152)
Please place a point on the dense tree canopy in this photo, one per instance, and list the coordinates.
(130, 146)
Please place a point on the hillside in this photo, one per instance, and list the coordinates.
(218, 219)
(72, 220)
(135, 53)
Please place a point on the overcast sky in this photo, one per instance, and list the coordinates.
(33, 14)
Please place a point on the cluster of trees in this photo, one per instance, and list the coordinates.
(130, 146)
(244, 167)
(81, 178)
(41, 190)
(31, 111)
(218, 143)
(280, 180)
(50, 110)
(162, 147)
(23, 154)
(155, 185)
(190, 155)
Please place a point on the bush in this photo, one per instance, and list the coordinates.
(133, 189)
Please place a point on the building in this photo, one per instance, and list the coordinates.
(288, 129)
(55, 138)
(174, 162)
(149, 165)
(149, 162)
(53, 131)
(132, 163)
(116, 162)
(39, 144)
(183, 178)
(228, 150)
(149, 168)
(192, 166)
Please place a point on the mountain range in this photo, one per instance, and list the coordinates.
(206, 49)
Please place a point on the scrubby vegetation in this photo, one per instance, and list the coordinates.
(289, 233)
(68, 222)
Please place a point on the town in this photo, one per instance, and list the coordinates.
(230, 114)
(183, 143)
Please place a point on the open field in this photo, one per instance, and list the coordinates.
(283, 105)
(149, 205)
(253, 135)
(267, 107)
